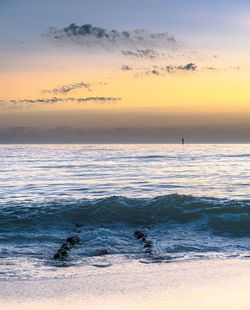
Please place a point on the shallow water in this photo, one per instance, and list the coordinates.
(192, 201)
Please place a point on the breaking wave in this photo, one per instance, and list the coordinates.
(216, 215)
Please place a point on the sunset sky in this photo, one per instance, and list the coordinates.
(124, 71)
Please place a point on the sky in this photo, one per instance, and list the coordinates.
(124, 71)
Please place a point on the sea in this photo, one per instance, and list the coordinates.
(192, 202)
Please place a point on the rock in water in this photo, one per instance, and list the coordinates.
(63, 252)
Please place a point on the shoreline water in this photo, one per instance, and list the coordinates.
(202, 284)
(179, 228)
(193, 205)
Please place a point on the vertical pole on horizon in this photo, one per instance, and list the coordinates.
(182, 141)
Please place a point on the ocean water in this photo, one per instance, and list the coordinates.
(192, 202)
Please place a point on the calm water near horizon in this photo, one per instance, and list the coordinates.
(193, 202)
(44, 172)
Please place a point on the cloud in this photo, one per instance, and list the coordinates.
(154, 72)
(66, 88)
(98, 99)
(67, 134)
(157, 70)
(92, 36)
(187, 67)
(31, 102)
(141, 53)
(126, 68)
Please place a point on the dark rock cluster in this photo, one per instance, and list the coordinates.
(148, 245)
(64, 250)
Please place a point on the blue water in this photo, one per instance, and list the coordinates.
(192, 202)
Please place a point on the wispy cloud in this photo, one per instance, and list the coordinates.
(126, 68)
(31, 102)
(159, 70)
(66, 88)
(98, 99)
(154, 72)
(187, 67)
(142, 53)
(88, 35)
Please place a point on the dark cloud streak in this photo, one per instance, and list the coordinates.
(141, 53)
(88, 35)
(68, 134)
(190, 67)
(59, 100)
(66, 88)
(187, 67)
(126, 68)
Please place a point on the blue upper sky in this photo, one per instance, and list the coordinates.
(215, 22)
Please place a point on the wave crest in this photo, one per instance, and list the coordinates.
(217, 215)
